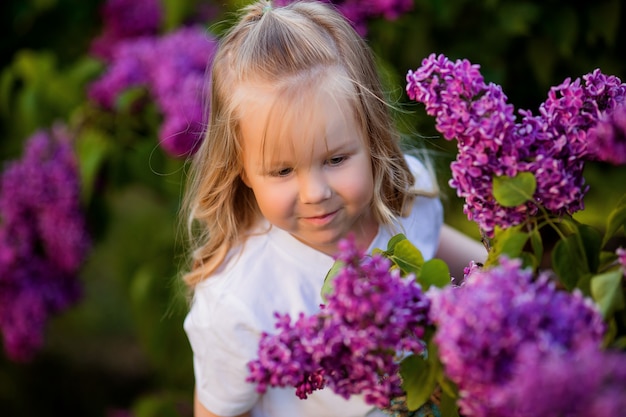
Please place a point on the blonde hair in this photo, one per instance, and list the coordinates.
(274, 45)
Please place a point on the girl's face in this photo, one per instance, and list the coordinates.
(309, 168)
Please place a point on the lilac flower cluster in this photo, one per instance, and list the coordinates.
(43, 240)
(359, 12)
(352, 343)
(487, 328)
(123, 20)
(584, 382)
(607, 139)
(172, 68)
(551, 145)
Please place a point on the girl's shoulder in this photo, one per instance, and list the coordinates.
(425, 179)
(423, 223)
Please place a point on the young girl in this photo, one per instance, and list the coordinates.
(300, 152)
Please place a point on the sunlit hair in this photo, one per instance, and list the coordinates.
(293, 47)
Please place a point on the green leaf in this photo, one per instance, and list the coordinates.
(509, 242)
(391, 245)
(128, 99)
(529, 260)
(419, 379)
(591, 242)
(576, 257)
(434, 272)
(616, 220)
(407, 257)
(448, 407)
(536, 243)
(607, 292)
(513, 191)
(327, 287)
(92, 148)
(567, 262)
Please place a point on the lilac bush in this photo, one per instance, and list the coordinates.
(130, 67)
(43, 240)
(123, 20)
(507, 333)
(351, 345)
(487, 329)
(176, 84)
(552, 145)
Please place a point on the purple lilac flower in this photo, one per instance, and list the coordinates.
(359, 12)
(607, 139)
(551, 145)
(351, 344)
(467, 271)
(130, 67)
(484, 327)
(124, 20)
(43, 240)
(580, 383)
(176, 83)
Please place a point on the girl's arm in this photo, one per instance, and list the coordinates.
(457, 250)
(200, 411)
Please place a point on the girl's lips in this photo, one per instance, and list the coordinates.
(321, 220)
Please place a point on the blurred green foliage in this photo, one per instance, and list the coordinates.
(123, 347)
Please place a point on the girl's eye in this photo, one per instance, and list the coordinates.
(282, 172)
(336, 160)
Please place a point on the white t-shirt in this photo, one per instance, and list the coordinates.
(274, 272)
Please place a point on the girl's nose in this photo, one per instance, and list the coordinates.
(314, 188)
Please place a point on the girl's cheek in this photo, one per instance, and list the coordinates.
(281, 191)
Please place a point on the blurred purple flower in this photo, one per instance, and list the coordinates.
(359, 12)
(130, 67)
(172, 68)
(43, 240)
(552, 145)
(123, 20)
(500, 314)
(580, 383)
(351, 344)
(607, 138)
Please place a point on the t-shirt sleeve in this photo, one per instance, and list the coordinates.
(223, 339)
(424, 179)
